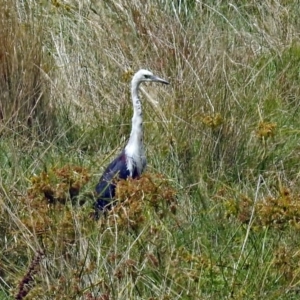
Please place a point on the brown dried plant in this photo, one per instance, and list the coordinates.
(136, 198)
(281, 211)
(44, 209)
(213, 121)
(59, 184)
(266, 130)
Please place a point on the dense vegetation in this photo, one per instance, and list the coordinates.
(216, 216)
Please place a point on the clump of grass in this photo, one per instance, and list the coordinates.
(46, 211)
(24, 66)
(58, 184)
(137, 199)
(213, 121)
(266, 130)
(280, 212)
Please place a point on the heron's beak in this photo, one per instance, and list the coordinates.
(157, 79)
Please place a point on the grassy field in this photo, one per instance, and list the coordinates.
(216, 215)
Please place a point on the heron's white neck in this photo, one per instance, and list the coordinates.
(135, 148)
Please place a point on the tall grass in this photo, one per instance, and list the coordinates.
(216, 215)
(25, 96)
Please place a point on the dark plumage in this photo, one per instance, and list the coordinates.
(105, 189)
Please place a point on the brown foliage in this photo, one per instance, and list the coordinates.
(281, 211)
(137, 196)
(59, 184)
(45, 212)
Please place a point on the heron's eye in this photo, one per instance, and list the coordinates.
(147, 76)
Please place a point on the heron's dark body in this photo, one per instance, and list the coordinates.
(106, 188)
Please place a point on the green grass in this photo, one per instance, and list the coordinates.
(216, 214)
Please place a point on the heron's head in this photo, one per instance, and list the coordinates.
(145, 75)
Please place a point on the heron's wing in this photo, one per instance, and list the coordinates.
(116, 169)
(106, 187)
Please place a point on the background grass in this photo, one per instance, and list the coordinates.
(217, 215)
